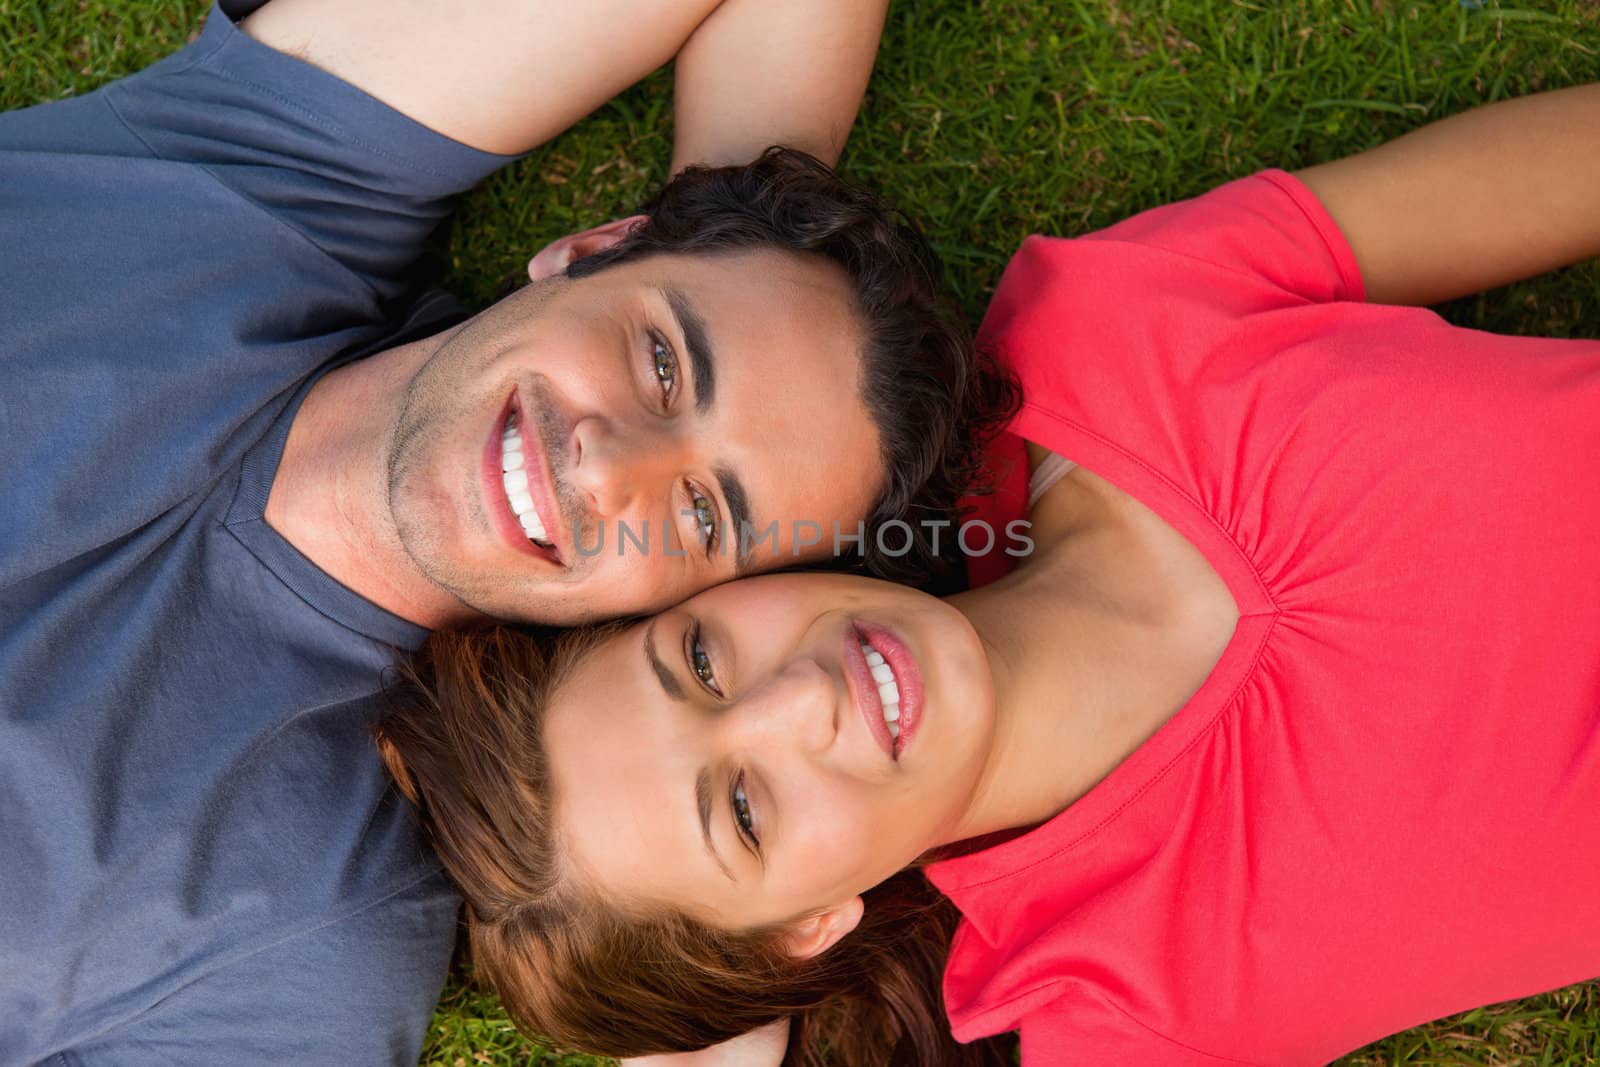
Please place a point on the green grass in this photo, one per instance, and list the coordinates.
(990, 120)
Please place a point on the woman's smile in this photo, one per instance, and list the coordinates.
(885, 683)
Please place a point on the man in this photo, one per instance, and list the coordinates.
(217, 522)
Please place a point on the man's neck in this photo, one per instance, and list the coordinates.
(329, 496)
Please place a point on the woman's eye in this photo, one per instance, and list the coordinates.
(700, 662)
(702, 666)
(741, 813)
(665, 366)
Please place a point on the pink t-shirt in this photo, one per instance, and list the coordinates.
(1383, 805)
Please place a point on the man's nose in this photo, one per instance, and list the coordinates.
(797, 710)
(617, 463)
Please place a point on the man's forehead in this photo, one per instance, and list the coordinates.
(754, 274)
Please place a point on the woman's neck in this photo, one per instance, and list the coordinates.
(1094, 643)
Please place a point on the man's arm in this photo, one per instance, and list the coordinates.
(759, 73)
(507, 75)
(1474, 201)
(499, 75)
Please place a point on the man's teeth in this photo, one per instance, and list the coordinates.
(516, 483)
(888, 688)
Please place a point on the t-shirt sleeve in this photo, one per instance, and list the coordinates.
(358, 179)
(360, 990)
(1268, 226)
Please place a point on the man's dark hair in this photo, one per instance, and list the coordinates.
(933, 398)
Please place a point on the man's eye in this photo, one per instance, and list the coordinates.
(705, 517)
(665, 366)
(700, 662)
(742, 815)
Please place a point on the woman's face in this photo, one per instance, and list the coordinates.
(736, 759)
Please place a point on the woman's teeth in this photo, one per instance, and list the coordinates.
(516, 483)
(888, 689)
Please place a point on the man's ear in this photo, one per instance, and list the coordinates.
(554, 257)
(817, 933)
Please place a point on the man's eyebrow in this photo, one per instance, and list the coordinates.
(701, 356)
(738, 517)
(702, 803)
(663, 675)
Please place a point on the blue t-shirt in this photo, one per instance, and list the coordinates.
(200, 860)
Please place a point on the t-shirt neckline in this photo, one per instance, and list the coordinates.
(246, 520)
(962, 877)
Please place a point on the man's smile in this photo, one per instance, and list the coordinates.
(518, 487)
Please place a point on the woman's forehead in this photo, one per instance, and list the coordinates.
(623, 772)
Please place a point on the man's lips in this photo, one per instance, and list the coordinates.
(536, 467)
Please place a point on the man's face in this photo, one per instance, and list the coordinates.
(675, 396)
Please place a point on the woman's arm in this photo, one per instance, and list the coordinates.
(1472, 201)
(759, 1048)
(507, 75)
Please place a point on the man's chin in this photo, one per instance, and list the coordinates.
(529, 600)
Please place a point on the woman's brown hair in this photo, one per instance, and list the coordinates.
(463, 742)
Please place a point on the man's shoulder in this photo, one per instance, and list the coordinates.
(358, 987)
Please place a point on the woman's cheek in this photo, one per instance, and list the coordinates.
(872, 844)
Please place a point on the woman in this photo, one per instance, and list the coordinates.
(1286, 734)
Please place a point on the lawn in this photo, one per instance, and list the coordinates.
(991, 120)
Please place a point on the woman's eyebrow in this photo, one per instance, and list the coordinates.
(702, 803)
(663, 675)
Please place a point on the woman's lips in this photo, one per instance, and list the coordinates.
(907, 678)
(865, 691)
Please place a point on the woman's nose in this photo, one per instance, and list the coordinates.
(797, 709)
